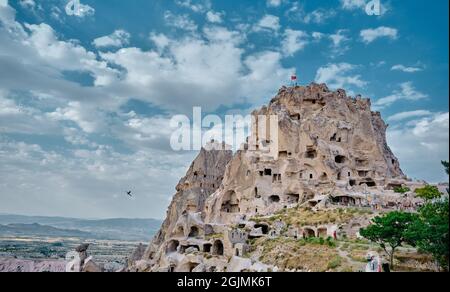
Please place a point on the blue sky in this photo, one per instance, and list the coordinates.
(85, 99)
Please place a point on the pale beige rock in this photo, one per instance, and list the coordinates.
(91, 267)
(330, 151)
(11, 265)
(238, 264)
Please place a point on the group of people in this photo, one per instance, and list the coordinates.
(376, 265)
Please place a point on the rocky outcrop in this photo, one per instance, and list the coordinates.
(328, 150)
(80, 261)
(185, 217)
(12, 265)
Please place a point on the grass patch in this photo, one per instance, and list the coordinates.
(335, 263)
(358, 256)
(214, 236)
(308, 255)
(300, 217)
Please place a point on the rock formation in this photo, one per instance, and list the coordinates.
(330, 151)
(185, 217)
(82, 262)
(13, 265)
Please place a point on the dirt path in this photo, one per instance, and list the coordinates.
(355, 265)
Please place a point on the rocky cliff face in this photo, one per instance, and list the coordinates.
(184, 216)
(330, 151)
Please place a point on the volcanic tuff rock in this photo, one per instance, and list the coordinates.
(331, 150)
(202, 179)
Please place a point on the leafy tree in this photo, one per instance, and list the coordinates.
(428, 193)
(446, 165)
(431, 232)
(389, 231)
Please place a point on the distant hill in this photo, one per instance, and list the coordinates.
(112, 229)
(40, 230)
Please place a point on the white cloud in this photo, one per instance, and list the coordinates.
(319, 16)
(265, 73)
(64, 55)
(29, 4)
(86, 182)
(353, 4)
(8, 107)
(297, 13)
(339, 43)
(79, 9)
(222, 34)
(406, 69)
(214, 17)
(370, 35)
(160, 40)
(23, 119)
(274, 3)
(86, 10)
(88, 121)
(118, 38)
(406, 92)
(338, 38)
(377, 64)
(294, 41)
(209, 66)
(408, 115)
(180, 21)
(318, 35)
(337, 76)
(362, 5)
(268, 23)
(421, 144)
(199, 6)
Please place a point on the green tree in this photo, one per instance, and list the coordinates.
(446, 165)
(389, 231)
(430, 234)
(428, 193)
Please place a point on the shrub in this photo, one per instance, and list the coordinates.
(428, 193)
(402, 190)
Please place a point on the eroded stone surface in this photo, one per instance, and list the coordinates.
(332, 153)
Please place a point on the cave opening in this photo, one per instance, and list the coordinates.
(218, 248)
(340, 159)
(274, 199)
(194, 232)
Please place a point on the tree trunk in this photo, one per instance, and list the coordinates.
(391, 259)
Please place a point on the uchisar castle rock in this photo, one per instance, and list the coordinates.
(332, 173)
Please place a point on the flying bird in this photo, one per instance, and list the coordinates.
(129, 194)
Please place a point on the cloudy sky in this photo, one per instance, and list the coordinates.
(85, 97)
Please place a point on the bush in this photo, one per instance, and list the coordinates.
(402, 190)
(330, 242)
(428, 193)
